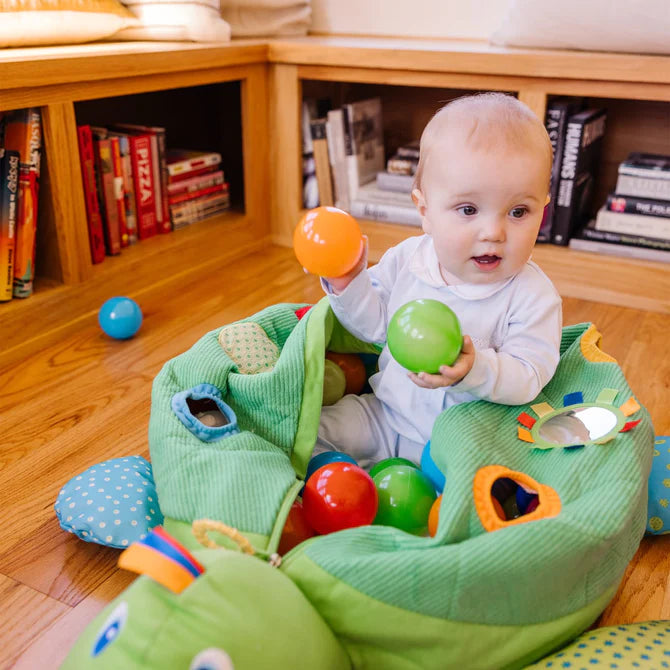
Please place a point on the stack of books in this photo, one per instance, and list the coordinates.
(20, 151)
(197, 188)
(635, 220)
(576, 136)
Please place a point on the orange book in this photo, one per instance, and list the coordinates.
(23, 133)
(119, 190)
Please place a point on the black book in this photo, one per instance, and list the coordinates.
(579, 167)
(632, 205)
(556, 118)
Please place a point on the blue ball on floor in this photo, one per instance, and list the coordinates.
(120, 317)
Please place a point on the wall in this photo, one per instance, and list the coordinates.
(474, 19)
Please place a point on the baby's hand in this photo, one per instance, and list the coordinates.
(338, 284)
(449, 374)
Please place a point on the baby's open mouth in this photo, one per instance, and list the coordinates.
(486, 260)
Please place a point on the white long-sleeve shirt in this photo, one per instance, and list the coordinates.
(514, 324)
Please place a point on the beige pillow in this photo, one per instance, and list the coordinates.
(634, 26)
(258, 18)
(33, 22)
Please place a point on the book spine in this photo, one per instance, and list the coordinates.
(350, 160)
(336, 153)
(9, 194)
(400, 183)
(370, 193)
(128, 189)
(145, 194)
(633, 224)
(645, 173)
(380, 212)
(656, 189)
(164, 179)
(624, 250)
(103, 151)
(322, 162)
(87, 162)
(199, 206)
(185, 197)
(158, 192)
(555, 121)
(188, 166)
(563, 208)
(26, 234)
(119, 195)
(632, 205)
(610, 237)
(196, 183)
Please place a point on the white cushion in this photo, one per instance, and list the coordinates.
(256, 18)
(26, 23)
(636, 26)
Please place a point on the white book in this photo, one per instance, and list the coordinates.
(371, 193)
(633, 224)
(337, 157)
(385, 212)
(625, 250)
(388, 181)
(643, 187)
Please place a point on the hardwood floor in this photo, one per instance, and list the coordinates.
(87, 398)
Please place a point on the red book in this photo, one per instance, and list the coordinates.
(184, 197)
(104, 164)
(196, 183)
(87, 162)
(145, 192)
(119, 191)
(184, 163)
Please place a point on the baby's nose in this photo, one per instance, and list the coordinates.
(492, 230)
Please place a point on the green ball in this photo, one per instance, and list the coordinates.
(423, 335)
(387, 462)
(334, 382)
(405, 498)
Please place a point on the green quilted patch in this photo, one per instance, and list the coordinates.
(249, 347)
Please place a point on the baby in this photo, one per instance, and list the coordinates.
(481, 187)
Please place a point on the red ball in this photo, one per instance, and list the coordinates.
(353, 368)
(339, 495)
(296, 529)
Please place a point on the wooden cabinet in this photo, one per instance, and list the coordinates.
(415, 77)
(251, 92)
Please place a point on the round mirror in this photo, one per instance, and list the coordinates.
(578, 426)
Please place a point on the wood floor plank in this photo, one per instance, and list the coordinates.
(86, 398)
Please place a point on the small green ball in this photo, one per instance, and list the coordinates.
(334, 382)
(423, 335)
(405, 498)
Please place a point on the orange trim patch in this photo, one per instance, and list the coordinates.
(590, 346)
(549, 502)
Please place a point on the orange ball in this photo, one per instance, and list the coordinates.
(353, 368)
(327, 242)
(296, 529)
(434, 517)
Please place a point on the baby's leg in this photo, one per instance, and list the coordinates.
(356, 426)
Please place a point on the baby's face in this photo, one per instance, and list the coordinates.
(483, 208)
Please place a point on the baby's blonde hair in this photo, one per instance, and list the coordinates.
(489, 121)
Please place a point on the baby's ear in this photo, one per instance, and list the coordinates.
(548, 200)
(419, 201)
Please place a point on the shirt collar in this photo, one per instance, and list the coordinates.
(424, 265)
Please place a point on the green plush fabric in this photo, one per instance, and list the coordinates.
(239, 605)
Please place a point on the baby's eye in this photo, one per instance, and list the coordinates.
(518, 212)
(467, 210)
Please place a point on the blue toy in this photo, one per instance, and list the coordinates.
(430, 469)
(120, 317)
(324, 458)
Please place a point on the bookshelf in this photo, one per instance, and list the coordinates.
(208, 97)
(258, 85)
(415, 77)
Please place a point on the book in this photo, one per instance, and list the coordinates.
(194, 195)
(106, 190)
(627, 250)
(402, 165)
(556, 117)
(388, 181)
(183, 163)
(159, 168)
(409, 150)
(143, 182)
(590, 232)
(385, 212)
(310, 187)
(337, 157)
(649, 166)
(632, 205)
(119, 194)
(643, 187)
(579, 168)
(9, 195)
(87, 163)
(128, 187)
(633, 224)
(322, 161)
(372, 193)
(193, 211)
(23, 133)
(363, 142)
(197, 183)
